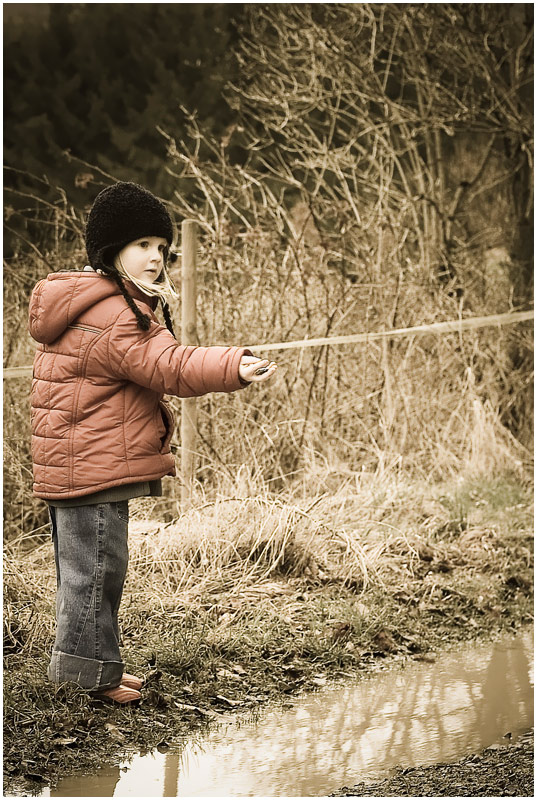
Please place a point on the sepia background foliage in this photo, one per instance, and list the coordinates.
(352, 168)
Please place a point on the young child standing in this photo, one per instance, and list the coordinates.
(100, 429)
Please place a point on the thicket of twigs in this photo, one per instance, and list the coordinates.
(432, 405)
(378, 176)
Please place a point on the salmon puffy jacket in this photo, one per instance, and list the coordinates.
(98, 416)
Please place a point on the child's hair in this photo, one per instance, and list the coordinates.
(119, 215)
(162, 288)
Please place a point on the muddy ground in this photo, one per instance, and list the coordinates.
(497, 771)
(459, 570)
(74, 734)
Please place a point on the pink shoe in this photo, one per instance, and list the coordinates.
(131, 681)
(119, 694)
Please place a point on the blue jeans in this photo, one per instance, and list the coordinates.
(90, 549)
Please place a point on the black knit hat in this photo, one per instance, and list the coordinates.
(119, 215)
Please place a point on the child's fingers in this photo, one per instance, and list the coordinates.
(250, 361)
(256, 369)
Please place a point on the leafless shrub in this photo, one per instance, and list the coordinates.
(368, 184)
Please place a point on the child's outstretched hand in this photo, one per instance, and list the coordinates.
(250, 365)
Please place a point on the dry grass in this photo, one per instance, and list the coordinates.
(376, 535)
(251, 597)
(317, 477)
(434, 406)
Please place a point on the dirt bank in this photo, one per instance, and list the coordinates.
(356, 583)
(498, 771)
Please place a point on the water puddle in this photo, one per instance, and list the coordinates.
(341, 734)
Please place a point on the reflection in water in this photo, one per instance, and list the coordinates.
(340, 735)
(103, 784)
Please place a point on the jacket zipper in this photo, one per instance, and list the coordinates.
(86, 328)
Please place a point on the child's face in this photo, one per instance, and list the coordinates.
(144, 258)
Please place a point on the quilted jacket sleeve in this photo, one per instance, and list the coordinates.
(155, 360)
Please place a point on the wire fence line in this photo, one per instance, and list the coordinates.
(451, 326)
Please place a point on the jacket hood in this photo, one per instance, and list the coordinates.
(62, 297)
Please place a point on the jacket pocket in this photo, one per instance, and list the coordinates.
(169, 423)
(88, 328)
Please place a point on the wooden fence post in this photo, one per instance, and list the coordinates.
(189, 246)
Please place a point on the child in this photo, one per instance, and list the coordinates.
(100, 429)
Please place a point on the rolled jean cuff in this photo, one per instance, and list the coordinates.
(89, 673)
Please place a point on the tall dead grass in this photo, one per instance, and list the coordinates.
(434, 406)
(425, 407)
(375, 533)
